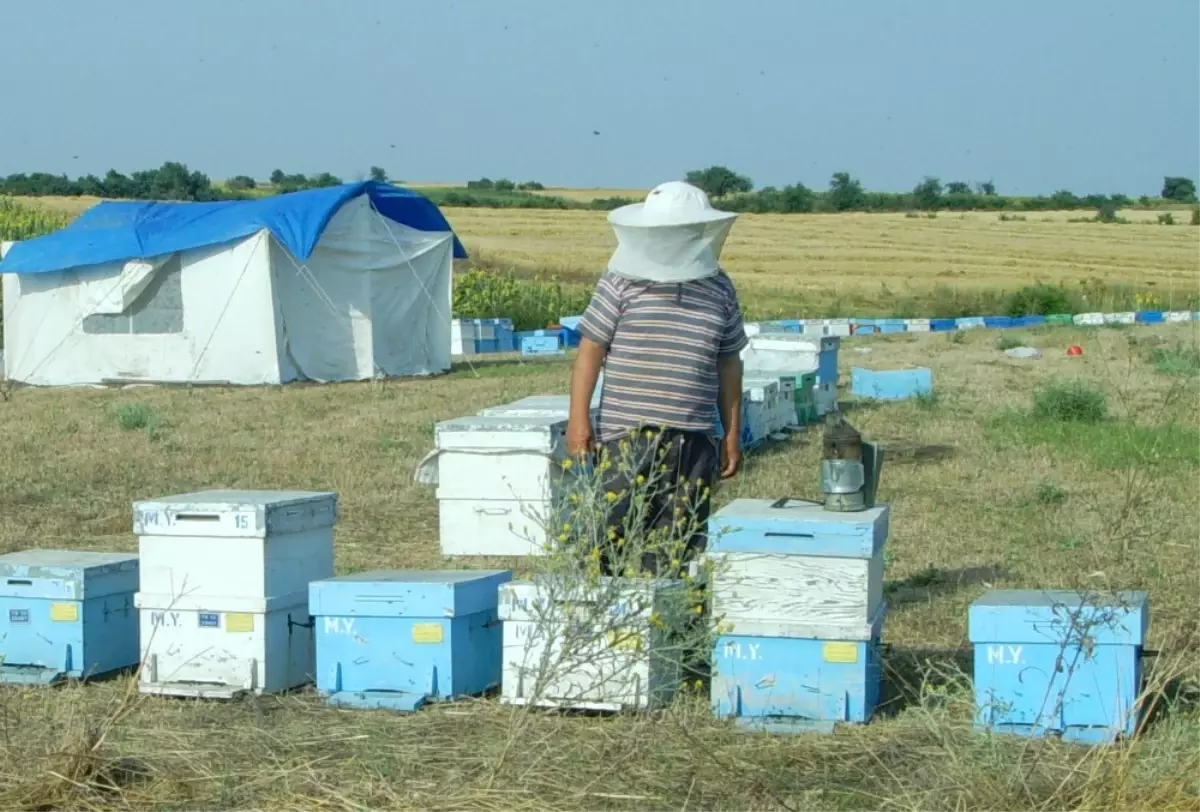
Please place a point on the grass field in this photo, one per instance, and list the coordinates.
(983, 495)
(869, 264)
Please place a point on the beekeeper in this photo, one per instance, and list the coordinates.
(665, 325)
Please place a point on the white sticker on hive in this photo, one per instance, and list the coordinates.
(840, 652)
(427, 633)
(67, 612)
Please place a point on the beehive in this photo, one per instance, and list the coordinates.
(66, 614)
(799, 593)
(764, 392)
(562, 650)
(1058, 662)
(223, 595)
(401, 638)
(497, 483)
(782, 354)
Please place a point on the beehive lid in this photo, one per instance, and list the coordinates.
(67, 574)
(797, 527)
(540, 434)
(538, 406)
(1059, 617)
(407, 593)
(629, 597)
(235, 513)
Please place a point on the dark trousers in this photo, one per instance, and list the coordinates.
(688, 457)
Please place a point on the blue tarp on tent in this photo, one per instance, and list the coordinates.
(118, 232)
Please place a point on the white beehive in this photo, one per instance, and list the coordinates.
(793, 562)
(777, 396)
(223, 592)
(496, 482)
(596, 651)
(464, 336)
(540, 406)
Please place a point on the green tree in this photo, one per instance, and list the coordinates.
(957, 187)
(1179, 190)
(278, 177)
(845, 193)
(987, 188)
(378, 174)
(927, 194)
(240, 183)
(719, 181)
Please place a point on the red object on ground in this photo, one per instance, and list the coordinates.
(1074, 349)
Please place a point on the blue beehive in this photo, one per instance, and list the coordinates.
(1149, 317)
(799, 593)
(890, 384)
(570, 330)
(1058, 662)
(997, 322)
(66, 614)
(540, 342)
(892, 326)
(942, 325)
(400, 638)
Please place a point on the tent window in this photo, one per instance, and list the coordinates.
(157, 311)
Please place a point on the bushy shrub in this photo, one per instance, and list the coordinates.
(1071, 402)
(532, 304)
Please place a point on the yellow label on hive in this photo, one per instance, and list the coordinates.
(427, 633)
(624, 640)
(239, 622)
(840, 652)
(67, 612)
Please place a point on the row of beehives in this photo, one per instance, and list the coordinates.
(233, 592)
(495, 471)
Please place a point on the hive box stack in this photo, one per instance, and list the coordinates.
(765, 400)
(464, 337)
(497, 480)
(780, 354)
(223, 598)
(1059, 662)
(799, 592)
(609, 658)
(66, 614)
(401, 638)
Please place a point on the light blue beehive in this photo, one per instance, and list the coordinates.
(890, 384)
(1058, 662)
(799, 591)
(66, 614)
(398, 639)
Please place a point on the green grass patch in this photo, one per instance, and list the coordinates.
(1180, 359)
(1107, 443)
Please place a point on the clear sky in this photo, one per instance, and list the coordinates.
(1086, 95)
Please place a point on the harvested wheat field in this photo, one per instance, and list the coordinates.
(1095, 489)
(864, 264)
(826, 265)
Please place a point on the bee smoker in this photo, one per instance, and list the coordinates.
(849, 468)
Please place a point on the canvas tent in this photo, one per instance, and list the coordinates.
(343, 283)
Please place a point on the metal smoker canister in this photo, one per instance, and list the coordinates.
(843, 475)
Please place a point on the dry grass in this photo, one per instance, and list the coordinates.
(968, 485)
(820, 264)
(810, 263)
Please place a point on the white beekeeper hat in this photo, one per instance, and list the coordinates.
(674, 236)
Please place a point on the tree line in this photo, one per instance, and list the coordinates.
(730, 190)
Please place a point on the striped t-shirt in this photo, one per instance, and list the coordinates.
(663, 341)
